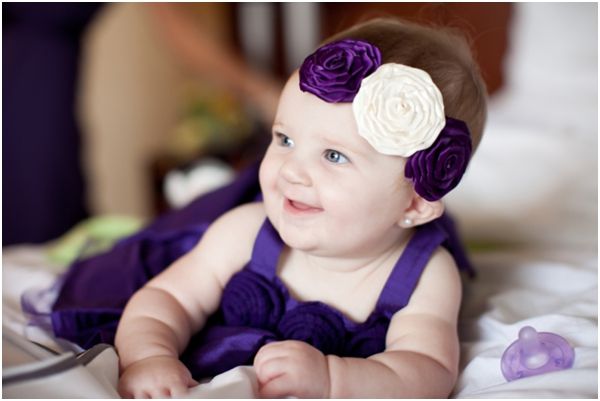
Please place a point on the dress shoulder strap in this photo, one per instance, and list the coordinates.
(267, 250)
(406, 273)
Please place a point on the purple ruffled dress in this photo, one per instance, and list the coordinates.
(256, 307)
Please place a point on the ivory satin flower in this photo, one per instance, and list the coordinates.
(399, 110)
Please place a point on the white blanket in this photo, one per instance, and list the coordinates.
(549, 289)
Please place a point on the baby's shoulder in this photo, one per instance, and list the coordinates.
(252, 214)
(229, 239)
(440, 285)
(441, 266)
(441, 273)
(240, 224)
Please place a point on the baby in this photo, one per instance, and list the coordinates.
(337, 284)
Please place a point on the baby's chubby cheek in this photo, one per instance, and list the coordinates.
(266, 175)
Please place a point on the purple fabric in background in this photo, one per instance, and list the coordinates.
(94, 291)
(43, 186)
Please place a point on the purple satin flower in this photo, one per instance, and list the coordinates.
(370, 339)
(315, 324)
(335, 71)
(249, 299)
(435, 171)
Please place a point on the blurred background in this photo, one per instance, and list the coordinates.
(130, 109)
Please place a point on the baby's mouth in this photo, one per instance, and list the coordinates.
(298, 207)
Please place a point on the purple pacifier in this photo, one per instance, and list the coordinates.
(536, 353)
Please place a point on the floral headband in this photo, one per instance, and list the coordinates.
(398, 110)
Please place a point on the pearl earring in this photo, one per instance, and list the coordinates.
(407, 222)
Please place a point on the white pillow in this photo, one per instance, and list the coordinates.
(534, 178)
(525, 186)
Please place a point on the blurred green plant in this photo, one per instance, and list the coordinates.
(214, 122)
(90, 237)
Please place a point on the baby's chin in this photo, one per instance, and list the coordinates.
(296, 234)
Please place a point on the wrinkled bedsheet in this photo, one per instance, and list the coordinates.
(549, 289)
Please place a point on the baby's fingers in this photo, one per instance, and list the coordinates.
(269, 369)
(167, 390)
(180, 390)
(278, 387)
(126, 391)
(175, 389)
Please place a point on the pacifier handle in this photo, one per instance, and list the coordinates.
(532, 354)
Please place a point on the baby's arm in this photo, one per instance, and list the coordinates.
(160, 318)
(420, 361)
(422, 347)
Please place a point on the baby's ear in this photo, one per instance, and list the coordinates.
(421, 211)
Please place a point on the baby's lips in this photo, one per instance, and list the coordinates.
(298, 206)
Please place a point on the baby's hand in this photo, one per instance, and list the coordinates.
(292, 368)
(155, 377)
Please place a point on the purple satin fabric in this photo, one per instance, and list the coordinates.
(437, 170)
(256, 306)
(94, 291)
(335, 71)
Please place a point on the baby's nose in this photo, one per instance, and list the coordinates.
(295, 172)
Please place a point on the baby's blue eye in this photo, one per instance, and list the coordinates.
(333, 156)
(284, 140)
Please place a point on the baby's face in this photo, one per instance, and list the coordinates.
(326, 190)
